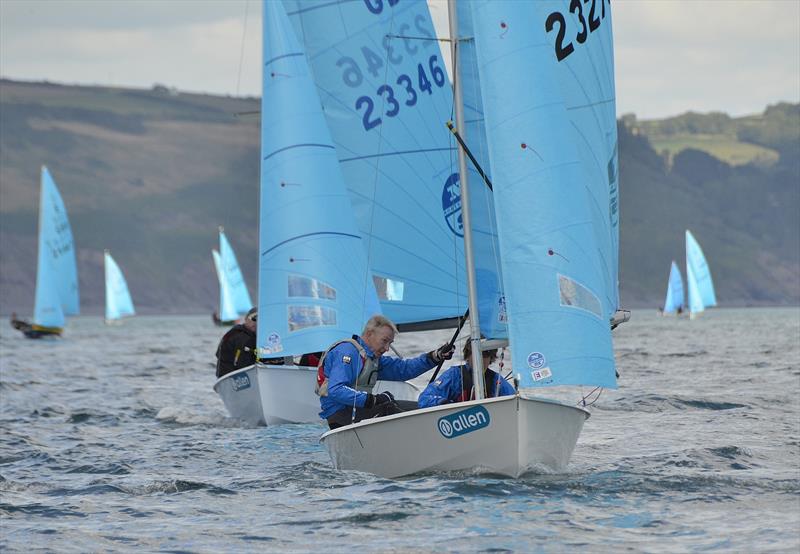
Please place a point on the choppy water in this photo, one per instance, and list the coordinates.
(112, 439)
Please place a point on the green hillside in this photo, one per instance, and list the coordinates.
(150, 174)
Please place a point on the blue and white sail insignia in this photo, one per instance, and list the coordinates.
(674, 299)
(118, 298)
(698, 277)
(386, 97)
(57, 271)
(314, 282)
(237, 288)
(547, 85)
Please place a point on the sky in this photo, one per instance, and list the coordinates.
(672, 56)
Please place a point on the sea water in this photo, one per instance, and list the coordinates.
(111, 439)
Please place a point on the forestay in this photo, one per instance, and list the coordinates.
(547, 83)
(239, 295)
(698, 277)
(674, 299)
(314, 283)
(386, 97)
(226, 309)
(56, 272)
(118, 297)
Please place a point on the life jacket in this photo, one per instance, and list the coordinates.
(468, 385)
(366, 379)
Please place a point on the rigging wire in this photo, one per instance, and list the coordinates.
(241, 49)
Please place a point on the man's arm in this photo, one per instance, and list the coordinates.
(440, 391)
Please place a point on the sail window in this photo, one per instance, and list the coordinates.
(389, 289)
(306, 287)
(575, 295)
(302, 317)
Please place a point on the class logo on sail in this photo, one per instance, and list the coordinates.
(463, 422)
(451, 205)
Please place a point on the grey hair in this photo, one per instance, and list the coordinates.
(378, 321)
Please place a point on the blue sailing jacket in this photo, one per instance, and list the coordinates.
(342, 366)
(448, 388)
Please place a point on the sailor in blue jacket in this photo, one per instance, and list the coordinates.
(349, 369)
(456, 385)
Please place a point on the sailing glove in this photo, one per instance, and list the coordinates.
(378, 399)
(444, 352)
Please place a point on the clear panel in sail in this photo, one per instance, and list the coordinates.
(674, 299)
(314, 284)
(701, 288)
(56, 273)
(233, 275)
(386, 98)
(118, 297)
(227, 311)
(551, 130)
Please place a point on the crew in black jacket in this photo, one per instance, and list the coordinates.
(237, 349)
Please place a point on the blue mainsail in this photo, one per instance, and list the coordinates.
(118, 298)
(237, 288)
(674, 299)
(386, 97)
(227, 311)
(57, 271)
(314, 284)
(547, 84)
(698, 277)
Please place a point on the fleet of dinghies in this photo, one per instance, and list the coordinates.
(700, 286)
(373, 201)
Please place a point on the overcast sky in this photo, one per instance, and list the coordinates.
(672, 56)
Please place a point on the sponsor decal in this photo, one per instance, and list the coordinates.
(240, 382)
(536, 360)
(451, 205)
(502, 316)
(274, 343)
(540, 374)
(465, 421)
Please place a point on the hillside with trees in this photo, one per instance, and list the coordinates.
(150, 174)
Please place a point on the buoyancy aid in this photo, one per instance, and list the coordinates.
(467, 384)
(366, 379)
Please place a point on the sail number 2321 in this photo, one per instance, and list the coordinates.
(556, 21)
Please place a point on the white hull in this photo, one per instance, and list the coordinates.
(274, 395)
(511, 435)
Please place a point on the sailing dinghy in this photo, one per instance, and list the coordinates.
(56, 271)
(673, 303)
(698, 278)
(540, 77)
(118, 297)
(234, 298)
(314, 284)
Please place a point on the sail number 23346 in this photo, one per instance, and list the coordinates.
(556, 21)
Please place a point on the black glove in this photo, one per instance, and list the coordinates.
(378, 399)
(444, 352)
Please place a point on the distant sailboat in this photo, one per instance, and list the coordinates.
(118, 298)
(234, 298)
(673, 303)
(698, 278)
(56, 272)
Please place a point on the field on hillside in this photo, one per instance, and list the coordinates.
(726, 148)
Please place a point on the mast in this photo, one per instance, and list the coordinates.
(474, 324)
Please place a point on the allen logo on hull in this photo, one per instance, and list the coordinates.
(240, 382)
(465, 421)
